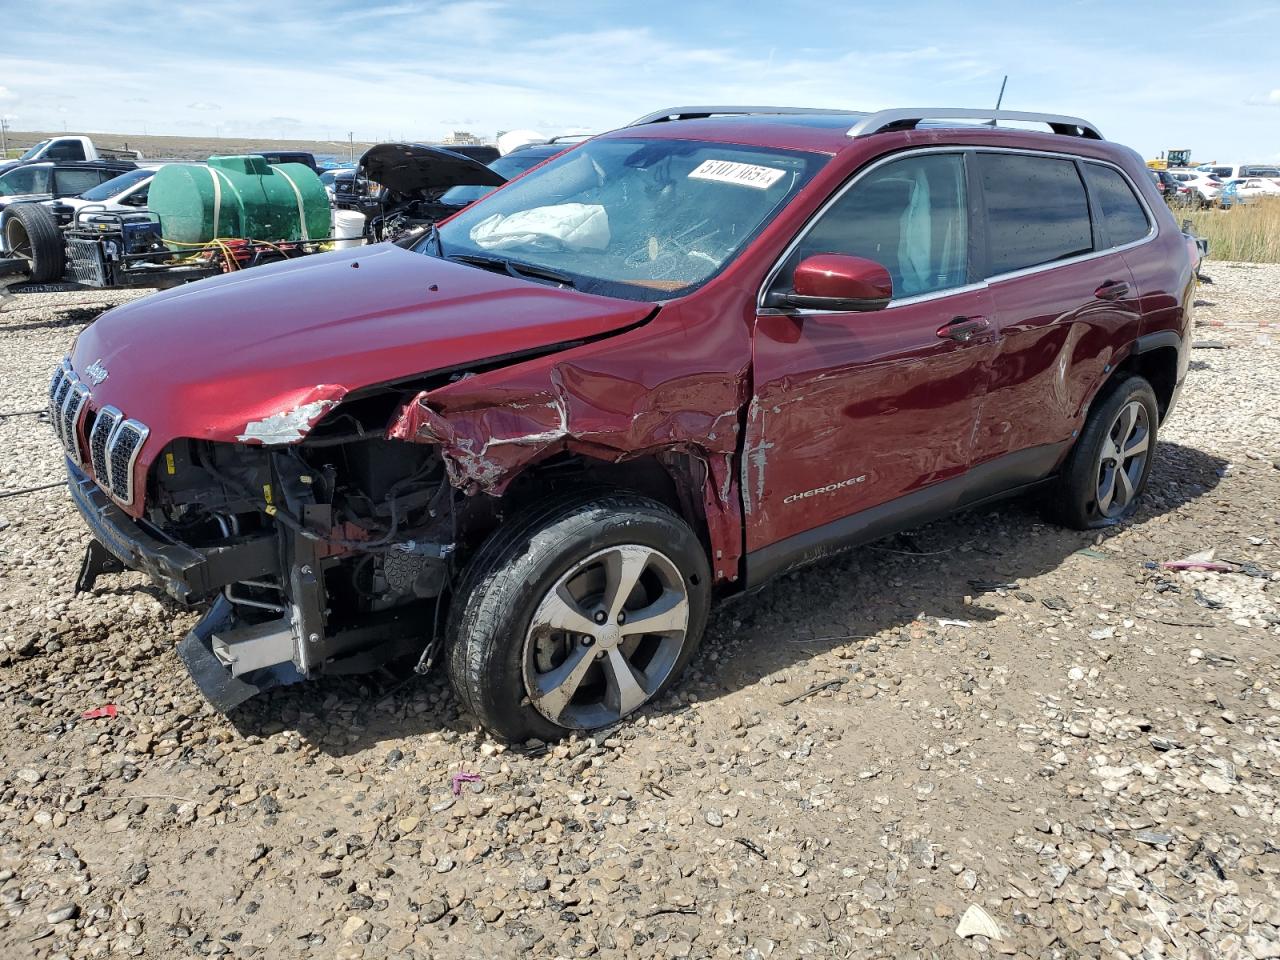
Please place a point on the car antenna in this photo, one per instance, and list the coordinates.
(1000, 97)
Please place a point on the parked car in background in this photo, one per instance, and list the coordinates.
(69, 147)
(51, 179)
(1167, 184)
(126, 193)
(1247, 190)
(397, 187)
(1239, 171)
(480, 152)
(329, 178)
(291, 156)
(675, 362)
(1201, 188)
(516, 162)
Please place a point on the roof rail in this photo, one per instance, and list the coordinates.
(906, 118)
(700, 113)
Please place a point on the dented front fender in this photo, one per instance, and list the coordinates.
(610, 401)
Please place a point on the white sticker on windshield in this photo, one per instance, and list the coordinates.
(743, 174)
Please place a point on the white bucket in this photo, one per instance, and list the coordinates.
(348, 228)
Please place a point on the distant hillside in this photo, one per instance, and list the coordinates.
(193, 148)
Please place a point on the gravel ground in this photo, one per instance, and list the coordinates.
(886, 755)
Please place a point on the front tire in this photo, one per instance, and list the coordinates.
(576, 614)
(1106, 472)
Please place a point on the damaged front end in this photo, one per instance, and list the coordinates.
(324, 551)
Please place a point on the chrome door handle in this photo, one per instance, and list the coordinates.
(1112, 290)
(963, 329)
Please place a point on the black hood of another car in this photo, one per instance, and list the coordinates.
(416, 170)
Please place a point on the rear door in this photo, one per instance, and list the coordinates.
(852, 410)
(73, 181)
(33, 180)
(1067, 306)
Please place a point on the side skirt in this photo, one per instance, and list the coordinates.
(1007, 476)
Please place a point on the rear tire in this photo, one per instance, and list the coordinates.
(31, 233)
(547, 633)
(1107, 470)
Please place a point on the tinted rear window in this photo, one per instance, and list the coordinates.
(73, 182)
(1036, 211)
(1122, 212)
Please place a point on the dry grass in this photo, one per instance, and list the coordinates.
(1248, 234)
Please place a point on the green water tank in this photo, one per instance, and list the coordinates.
(238, 197)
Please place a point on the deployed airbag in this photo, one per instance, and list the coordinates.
(575, 226)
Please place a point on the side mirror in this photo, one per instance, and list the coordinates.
(837, 282)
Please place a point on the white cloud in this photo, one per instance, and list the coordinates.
(7, 94)
(415, 70)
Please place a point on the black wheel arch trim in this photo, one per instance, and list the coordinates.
(1156, 340)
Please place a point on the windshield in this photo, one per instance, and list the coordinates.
(642, 219)
(31, 154)
(116, 185)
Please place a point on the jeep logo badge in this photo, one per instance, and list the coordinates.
(96, 372)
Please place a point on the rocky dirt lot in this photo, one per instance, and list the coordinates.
(1041, 732)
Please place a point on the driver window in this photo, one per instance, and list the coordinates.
(910, 216)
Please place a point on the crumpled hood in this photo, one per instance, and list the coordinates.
(261, 356)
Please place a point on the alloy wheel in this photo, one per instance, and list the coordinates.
(1123, 459)
(606, 636)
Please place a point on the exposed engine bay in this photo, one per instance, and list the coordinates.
(407, 181)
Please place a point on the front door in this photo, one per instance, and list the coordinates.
(860, 416)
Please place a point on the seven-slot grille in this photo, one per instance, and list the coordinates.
(114, 440)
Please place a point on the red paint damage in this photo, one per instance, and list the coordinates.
(603, 402)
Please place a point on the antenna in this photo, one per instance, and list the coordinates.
(1000, 97)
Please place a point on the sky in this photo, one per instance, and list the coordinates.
(1149, 75)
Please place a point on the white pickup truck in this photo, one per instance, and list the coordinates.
(70, 147)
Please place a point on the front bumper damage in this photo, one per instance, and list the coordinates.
(186, 573)
(231, 656)
(213, 675)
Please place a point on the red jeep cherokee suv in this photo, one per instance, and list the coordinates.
(671, 363)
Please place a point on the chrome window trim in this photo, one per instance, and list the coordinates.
(1152, 232)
